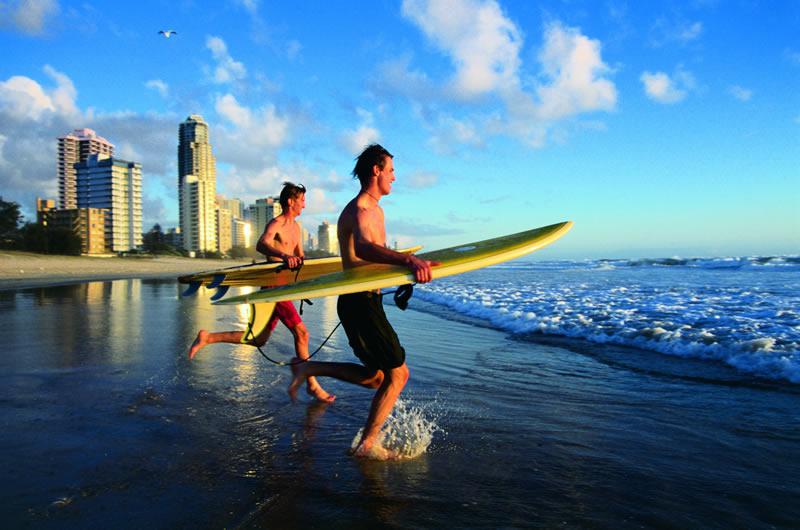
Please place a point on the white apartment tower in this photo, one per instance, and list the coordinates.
(197, 186)
(73, 148)
(327, 240)
(116, 185)
(262, 212)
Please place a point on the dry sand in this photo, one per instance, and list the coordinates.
(20, 270)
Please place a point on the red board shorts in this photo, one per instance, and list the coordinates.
(286, 313)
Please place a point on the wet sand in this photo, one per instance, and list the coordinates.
(110, 425)
(23, 270)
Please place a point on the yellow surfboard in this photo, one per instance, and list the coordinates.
(454, 260)
(263, 274)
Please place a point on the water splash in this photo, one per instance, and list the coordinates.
(408, 432)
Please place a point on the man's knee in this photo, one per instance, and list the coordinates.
(398, 376)
(301, 332)
(376, 380)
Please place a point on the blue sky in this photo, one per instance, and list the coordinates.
(659, 128)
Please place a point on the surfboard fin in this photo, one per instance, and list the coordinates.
(218, 279)
(193, 287)
(222, 290)
(260, 314)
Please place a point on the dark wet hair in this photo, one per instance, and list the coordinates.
(372, 155)
(290, 191)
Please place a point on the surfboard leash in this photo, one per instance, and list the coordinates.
(296, 361)
(401, 297)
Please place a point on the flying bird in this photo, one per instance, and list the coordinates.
(167, 32)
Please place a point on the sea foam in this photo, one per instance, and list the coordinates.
(687, 308)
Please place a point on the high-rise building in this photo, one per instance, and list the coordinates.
(327, 240)
(234, 205)
(224, 230)
(262, 212)
(241, 233)
(197, 186)
(73, 148)
(116, 185)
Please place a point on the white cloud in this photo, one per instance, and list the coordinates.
(396, 77)
(28, 16)
(573, 64)
(293, 49)
(248, 138)
(25, 99)
(662, 88)
(227, 69)
(422, 179)
(482, 42)
(484, 47)
(740, 93)
(250, 5)
(159, 86)
(680, 31)
(260, 127)
(450, 132)
(317, 202)
(355, 140)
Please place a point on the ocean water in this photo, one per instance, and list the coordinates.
(743, 312)
(605, 394)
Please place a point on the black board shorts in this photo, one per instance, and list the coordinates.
(371, 336)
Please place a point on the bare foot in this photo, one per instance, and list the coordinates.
(199, 343)
(375, 452)
(298, 378)
(316, 391)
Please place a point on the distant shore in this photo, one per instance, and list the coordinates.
(22, 270)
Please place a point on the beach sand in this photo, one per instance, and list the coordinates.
(22, 270)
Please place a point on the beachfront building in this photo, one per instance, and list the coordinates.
(116, 185)
(262, 212)
(87, 223)
(326, 238)
(74, 148)
(236, 206)
(241, 233)
(224, 230)
(197, 186)
(43, 208)
(173, 237)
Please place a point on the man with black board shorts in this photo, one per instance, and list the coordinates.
(362, 239)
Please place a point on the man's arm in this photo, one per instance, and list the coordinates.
(265, 246)
(368, 249)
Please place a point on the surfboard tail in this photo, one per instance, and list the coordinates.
(260, 314)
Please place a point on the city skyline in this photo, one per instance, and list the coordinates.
(658, 129)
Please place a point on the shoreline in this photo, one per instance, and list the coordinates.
(25, 270)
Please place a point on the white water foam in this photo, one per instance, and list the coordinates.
(747, 320)
(408, 432)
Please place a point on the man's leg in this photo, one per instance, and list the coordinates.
(393, 383)
(314, 389)
(357, 374)
(204, 338)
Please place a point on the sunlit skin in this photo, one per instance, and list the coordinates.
(280, 242)
(362, 238)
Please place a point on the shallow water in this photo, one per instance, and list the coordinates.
(107, 424)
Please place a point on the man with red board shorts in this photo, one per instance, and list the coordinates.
(281, 241)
